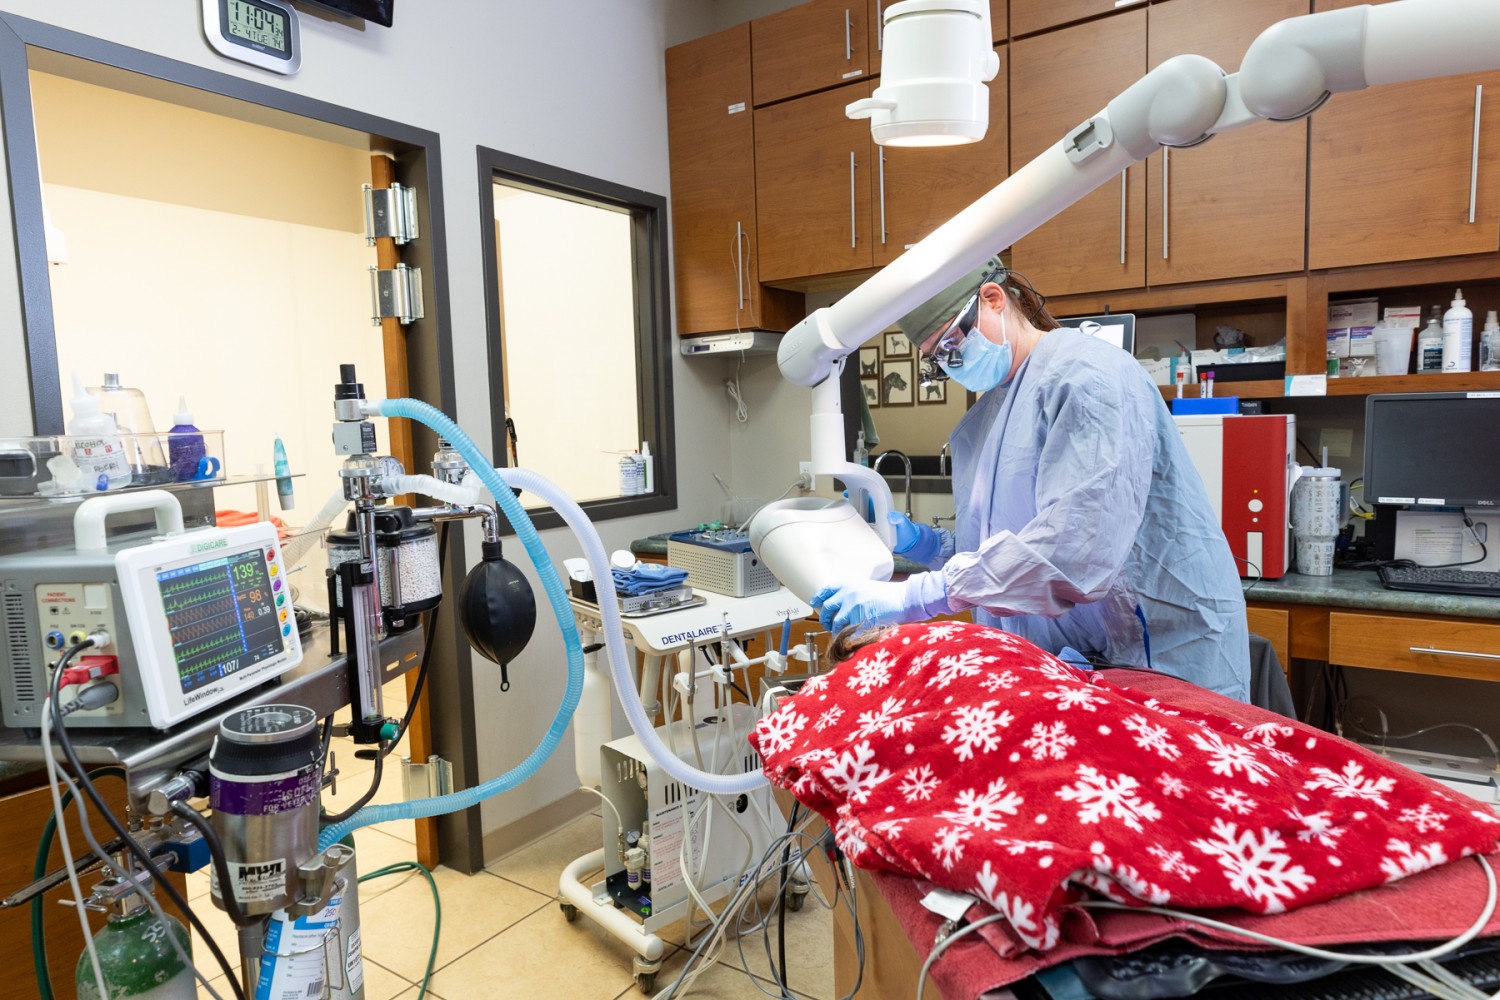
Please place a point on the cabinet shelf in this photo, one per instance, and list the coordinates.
(1367, 386)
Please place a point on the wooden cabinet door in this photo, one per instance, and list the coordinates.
(812, 46)
(1235, 205)
(1392, 170)
(712, 141)
(1027, 16)
(812, 184)
(917, 189)
(999, 18)
(1057, 81)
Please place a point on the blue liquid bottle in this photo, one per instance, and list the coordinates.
(185, 449)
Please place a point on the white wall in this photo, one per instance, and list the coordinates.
(578, 84)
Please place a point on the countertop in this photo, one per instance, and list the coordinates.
(1361, 588)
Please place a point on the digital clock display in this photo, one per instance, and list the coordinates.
(257, 26)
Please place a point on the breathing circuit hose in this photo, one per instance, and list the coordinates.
(499, 481)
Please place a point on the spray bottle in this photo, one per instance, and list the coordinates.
(1489, 344)
(98, 450)
(1458, 336)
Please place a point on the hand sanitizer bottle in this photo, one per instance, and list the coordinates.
(1430, 345)
(1458, 336)
(1489, 344)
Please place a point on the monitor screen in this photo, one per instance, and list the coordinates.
(222, 615)
(1436, 449)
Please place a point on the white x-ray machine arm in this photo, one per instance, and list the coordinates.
(1286, 74)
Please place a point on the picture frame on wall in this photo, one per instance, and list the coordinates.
(871, 388)
(896, 345)
(932, 392)
(869, 362)
(898, 384)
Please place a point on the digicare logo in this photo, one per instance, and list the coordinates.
(217, 543)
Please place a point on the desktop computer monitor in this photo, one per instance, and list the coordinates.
(1433, 449)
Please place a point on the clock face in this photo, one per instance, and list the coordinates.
(262, 33)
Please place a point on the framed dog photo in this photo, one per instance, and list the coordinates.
(898, 385)
(869, 362)
(871, 388)
(896, 345)
(932, 392)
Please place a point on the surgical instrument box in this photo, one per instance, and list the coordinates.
(1246, 464)
(720, 560)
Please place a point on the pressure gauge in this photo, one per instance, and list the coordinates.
(262, 33)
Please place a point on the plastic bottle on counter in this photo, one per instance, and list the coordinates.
(184, 444)
(1458, 336)
(1430, 344)
(1489, 344)
(98, 450)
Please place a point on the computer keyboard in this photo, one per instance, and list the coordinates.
(1440, 581)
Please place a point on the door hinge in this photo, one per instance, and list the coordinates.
(390, 212)
(425, 780)
(396, 293)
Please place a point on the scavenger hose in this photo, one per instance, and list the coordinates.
(453, 802)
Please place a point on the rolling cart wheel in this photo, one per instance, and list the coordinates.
(569, 911)
(646, 981)
(795, 898)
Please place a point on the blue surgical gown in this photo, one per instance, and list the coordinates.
(1082, 522)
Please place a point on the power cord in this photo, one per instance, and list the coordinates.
(741, 410)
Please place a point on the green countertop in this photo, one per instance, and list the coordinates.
(1361, 588)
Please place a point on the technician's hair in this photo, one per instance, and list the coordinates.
(1032, 302)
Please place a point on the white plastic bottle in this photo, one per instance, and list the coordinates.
(1430, 345)
(98, 450)
(1458, 336)
(1489, 344)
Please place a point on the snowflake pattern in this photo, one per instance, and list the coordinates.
(948, 845)
(984, 809)
(999, 682)
(1257, 866)
(886, 720)
(1015, 848)
(1425, 818)
(778, 731)
(1408, 859)
(1021, 915)
(965, 663)
(1099, 797)
(1156, 706)
(1226, 758)
(855, 773)
(1485, 816)
(1172, 785)
(1075, 697)
(919, 785)
(828, 719)
(1172, 862)
(1049, 741)
(871, 672)
(891, 829)
(1149, 736)
(941, 632)
(1317, 827)
(1350, 783)
(976, 727)
(1232, 800)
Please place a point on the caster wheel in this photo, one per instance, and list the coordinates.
(646, 981)
(795, 900)
(569, 911)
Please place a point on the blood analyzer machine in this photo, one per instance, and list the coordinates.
(193, 617)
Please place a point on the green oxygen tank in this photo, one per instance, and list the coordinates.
(138, 960)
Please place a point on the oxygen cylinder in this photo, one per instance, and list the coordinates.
(138, 960)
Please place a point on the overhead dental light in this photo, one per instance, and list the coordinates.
(937, 57)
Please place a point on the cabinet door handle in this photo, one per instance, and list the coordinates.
(1122, 213)
(1166, 185)
(848, 36)
(739, 262)
(1454, 652)
(1474, 157)
(882, 196)
(853, 222)
(879, 26)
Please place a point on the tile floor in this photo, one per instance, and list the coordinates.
(502, 929)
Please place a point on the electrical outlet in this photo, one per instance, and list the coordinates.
(805, 474)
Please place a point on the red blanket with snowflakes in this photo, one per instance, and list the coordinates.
(969, 757)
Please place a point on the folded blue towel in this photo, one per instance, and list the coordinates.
(647, 578)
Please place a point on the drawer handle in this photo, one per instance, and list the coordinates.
(1454, 652)
(848, 36)
(1474, 157)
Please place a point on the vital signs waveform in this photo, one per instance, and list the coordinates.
(207, 646)
(195, 613)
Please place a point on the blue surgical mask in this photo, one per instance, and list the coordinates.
(986, 364)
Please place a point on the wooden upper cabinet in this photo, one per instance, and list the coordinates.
(1235, 205)
(809, 47)
(917, 189)
(1057, 81)
(813, 184)
(1027, 16)
(712, 140)
(999, 15)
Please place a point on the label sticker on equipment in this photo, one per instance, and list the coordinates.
(354, 964)
(257, 883)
